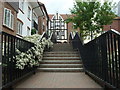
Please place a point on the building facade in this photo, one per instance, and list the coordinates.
(115, 25)
(58, 25)
(8, 17)
(28, 17)
(116, 9)
(23, 18)
(43, 20)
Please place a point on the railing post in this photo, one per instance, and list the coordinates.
(0, 60)
(104, 58)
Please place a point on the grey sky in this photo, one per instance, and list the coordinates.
(62, 6)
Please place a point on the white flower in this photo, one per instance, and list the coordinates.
(29, 57)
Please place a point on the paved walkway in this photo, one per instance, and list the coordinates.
(57, 80)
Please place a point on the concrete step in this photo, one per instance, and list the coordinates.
(62, 47)
(66, 47)
(61, 52)
(62, 44)
(61, 55)
(61, 58)
(61, 69)
(61, 62)
(69, 48)
(61, 66)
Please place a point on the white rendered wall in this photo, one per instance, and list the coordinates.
(24, 18)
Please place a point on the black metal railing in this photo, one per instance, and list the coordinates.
(53, 37)
(10, 74)
(44, 35)
(35, 25)
(101, 57)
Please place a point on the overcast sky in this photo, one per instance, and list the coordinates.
(60, 6)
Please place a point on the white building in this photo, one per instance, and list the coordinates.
(27, 17)
(118, 12)
(117, 9)
(58, 25)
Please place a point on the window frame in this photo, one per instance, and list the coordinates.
(8, 21)
(19, 27)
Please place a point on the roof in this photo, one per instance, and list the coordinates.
(117, 18)
(44, 8)
(14, 5)
(64, 16)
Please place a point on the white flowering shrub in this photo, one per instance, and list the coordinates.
(34, 55)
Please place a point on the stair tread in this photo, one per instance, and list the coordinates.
(61, 68)
(62, 52)
(61, 64)
(61, 61)
(63, 58)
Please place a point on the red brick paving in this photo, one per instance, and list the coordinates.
(57, 80)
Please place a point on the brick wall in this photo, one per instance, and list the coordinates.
(45, 23)
(4, 28)
(40, 25)
(115, 25)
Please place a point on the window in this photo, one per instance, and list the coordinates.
(8, 18)
(12, 21)
(29, 12)
(19, 27)
(62, 33)
(28, 31)
(35, 18)
(21, 5)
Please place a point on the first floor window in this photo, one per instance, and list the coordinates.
(19, 27)
(8, 18)
(62, 33)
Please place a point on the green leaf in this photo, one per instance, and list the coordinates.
(90, 17)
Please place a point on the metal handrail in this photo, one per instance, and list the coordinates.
(101, 57)
(10, 74)
(42, 36)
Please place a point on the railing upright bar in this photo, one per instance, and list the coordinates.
(113, 73)
(116, 60)
(8, 46)
(101, 57)
(110, 73)
(0, 60)
(119, 61)
(14, 55)
(7, 59)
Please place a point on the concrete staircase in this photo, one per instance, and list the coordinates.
(61, 59)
